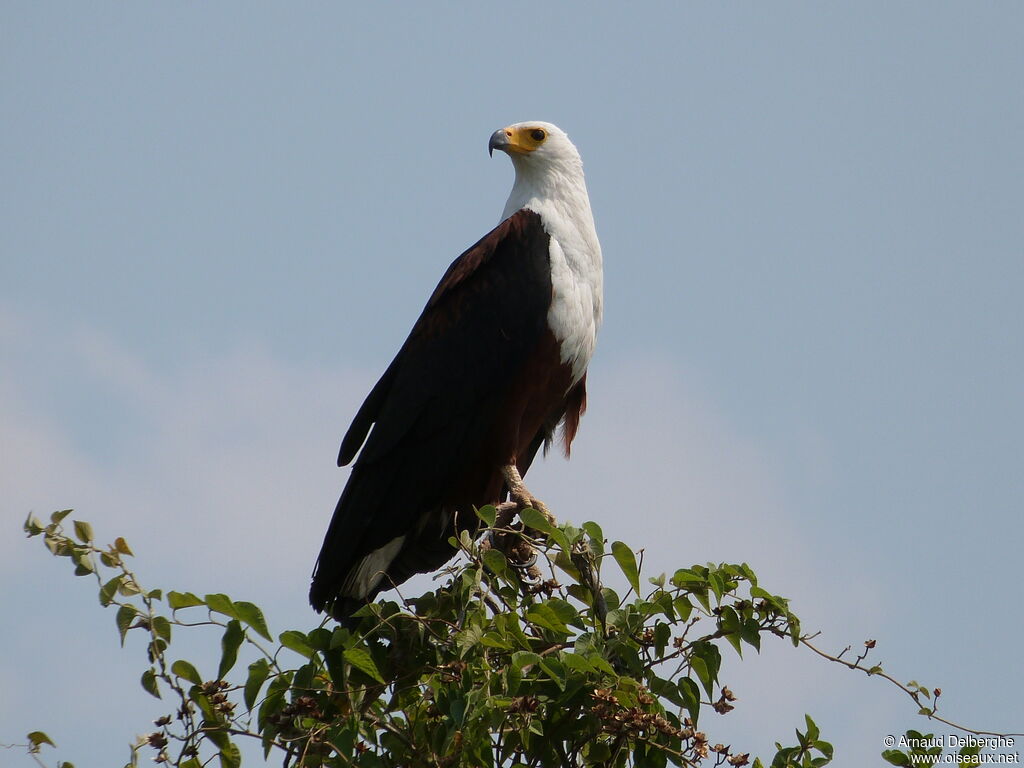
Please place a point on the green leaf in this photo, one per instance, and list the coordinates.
(691, 697)
(33, 525)
(162, 627)
(973, 749)
(149, 682)
(577, 662)
(38, 738)
(219, 738)
(729, 621)
(221, 604)
(108, 590)
(57, 517)
(596, 536)
(186, 671)
(296, 641)
(687, 577)
(363, 661)
(83, 531)
(253, 616)
(555, 670)
(513, 677)
(183, 600)
(125, 615)
(543, 615)
(83, 562)
(627, 562)
(665, 689)
(521, 659)
(534, 519)
(320, 639)
(717, 584)
(488, 514)
(597, 753)
(662, 634)
(895, 757)
(128, 587)
(683, 608)
(230, 756)
(122, 546)
(531, 518)
(258, 672)
(495, 561)
(812, 729)
(711, 657)
(229, 644)
(700, 668)
(468, 638)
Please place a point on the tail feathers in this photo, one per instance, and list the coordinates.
(341, 610)
(340, 550)
(382, 533)
(359, 582)
(344, 583)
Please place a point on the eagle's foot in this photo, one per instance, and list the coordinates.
(521, 494)
(507, 537)
(504, 513)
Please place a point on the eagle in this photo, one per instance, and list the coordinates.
(495, 363)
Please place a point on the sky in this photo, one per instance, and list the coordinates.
(219, 222)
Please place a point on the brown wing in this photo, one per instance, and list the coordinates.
(427, 417)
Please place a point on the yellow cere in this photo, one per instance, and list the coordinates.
(525, 139)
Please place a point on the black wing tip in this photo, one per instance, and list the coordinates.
(338, 608)
(347, 452)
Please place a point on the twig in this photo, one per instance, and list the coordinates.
(878, 672)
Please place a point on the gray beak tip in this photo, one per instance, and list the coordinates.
(498, 140)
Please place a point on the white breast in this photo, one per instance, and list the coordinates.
(576, 305)
(553, 186)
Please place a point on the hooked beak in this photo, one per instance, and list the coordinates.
(500, 139)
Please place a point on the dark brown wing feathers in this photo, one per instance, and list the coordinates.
(477, 383)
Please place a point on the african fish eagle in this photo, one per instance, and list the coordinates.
(496, 361)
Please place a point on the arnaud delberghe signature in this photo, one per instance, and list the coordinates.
(953, 740)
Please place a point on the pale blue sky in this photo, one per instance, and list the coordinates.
(220, 220)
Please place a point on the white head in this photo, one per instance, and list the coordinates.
(548, 167)
(537, 149)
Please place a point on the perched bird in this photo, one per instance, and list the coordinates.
(496, 361)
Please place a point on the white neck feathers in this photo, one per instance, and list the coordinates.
(554, 187)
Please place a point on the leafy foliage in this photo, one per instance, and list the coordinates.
(505, 665)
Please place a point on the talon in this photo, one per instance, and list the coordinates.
(517, 490)
(529, 563)
(504, 513)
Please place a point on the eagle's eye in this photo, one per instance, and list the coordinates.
(537, 134)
